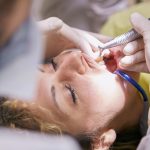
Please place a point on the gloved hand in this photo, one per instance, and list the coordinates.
(61, 36)
(137, 53)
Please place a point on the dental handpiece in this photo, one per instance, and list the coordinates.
(125, 38)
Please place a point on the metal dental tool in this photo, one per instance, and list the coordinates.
(127, 37)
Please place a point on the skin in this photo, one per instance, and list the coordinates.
(102, 98)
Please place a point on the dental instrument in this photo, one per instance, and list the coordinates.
(133, 82)
(125, 38)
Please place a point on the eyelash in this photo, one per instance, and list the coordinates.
(72, 91)
(52, 62)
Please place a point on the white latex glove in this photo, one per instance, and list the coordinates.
(61, 37)
(137, 53)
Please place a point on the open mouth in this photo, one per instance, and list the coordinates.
(110, 63)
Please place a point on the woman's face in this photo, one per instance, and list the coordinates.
(80, 93)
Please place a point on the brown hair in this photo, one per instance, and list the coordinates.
(17, 114)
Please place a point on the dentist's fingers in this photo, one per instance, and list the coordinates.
(116, 50)
(50, 24)
(94, 44)
(133, 47)
(139, 67)
(93, 41)
(142, 26)
(87, 48)
(78, 39)
(132, 59)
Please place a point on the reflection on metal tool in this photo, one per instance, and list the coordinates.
(127, 37)
(122, 39)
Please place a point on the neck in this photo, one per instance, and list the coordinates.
(131, 113)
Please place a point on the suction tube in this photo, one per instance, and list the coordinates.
(133, 82)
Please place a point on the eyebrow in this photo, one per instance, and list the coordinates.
(53, 91)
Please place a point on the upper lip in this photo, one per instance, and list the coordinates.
(88, 62)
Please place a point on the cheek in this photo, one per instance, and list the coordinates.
(113, 97)
(107, 94)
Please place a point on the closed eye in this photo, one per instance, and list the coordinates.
(72, 92)
(52, 62)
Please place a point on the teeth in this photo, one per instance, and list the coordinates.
(101, 63)
(105, 52)
(99, 59)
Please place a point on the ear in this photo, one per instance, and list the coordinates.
(105, 140)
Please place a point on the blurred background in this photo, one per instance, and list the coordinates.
(84, 14)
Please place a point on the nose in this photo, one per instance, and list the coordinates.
(72, 62)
